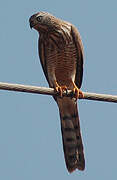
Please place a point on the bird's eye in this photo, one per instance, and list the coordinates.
(39, 18)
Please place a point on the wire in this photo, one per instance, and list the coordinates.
(51, 91)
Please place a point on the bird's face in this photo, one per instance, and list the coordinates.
(42, 22)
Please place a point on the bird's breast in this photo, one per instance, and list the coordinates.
(62, 62)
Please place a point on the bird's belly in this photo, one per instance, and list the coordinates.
(65, 70)
(63, 65)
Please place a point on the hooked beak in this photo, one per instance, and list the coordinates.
(31, 24)
(32, 21)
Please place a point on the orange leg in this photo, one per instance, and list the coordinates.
(77, 91)
(60, 89)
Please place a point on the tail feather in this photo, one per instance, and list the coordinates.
(70, 127)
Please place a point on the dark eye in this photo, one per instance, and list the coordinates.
(39, 18)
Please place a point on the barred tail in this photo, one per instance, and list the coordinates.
(70, 127)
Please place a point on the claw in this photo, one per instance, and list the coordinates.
(60, 89)
(66, 91)
(77, 92)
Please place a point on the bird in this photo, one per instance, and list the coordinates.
(62, 58)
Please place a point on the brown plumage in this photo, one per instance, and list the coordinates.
(61, 55)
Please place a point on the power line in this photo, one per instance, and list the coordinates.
(51, 91)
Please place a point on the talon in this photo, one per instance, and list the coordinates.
(81, 94)
(78, 93)
(60, 89)
(66, 91)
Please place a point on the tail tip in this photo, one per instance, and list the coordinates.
(79, 167)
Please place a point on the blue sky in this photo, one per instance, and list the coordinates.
(30, 135)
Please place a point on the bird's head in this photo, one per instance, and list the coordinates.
(43, 22)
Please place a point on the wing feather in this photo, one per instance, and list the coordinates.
(42, 55)
(79, 48)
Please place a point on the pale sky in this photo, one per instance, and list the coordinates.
(30, 133)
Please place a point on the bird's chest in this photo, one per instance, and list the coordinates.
(61, 62)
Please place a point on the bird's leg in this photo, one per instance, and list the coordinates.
(60, 89)
(77, 91)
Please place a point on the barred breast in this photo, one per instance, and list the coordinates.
(61, 64)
